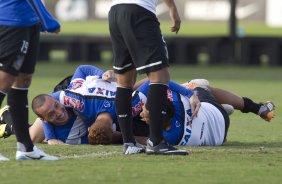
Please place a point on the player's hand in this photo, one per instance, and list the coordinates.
(145, 115)
(175, 20)
(109, 75)
(55, 142)
(195, 105)
(57, 31)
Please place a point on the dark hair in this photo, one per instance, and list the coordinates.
(37, 102)
(63, 84)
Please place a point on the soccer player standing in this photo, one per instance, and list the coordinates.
(138, 46)
(19, 41)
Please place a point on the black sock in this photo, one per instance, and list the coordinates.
(124, 115)
(250, 106)
(2, 96)
(156, 104)
(17, 100)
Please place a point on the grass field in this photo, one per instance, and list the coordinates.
(253, 153)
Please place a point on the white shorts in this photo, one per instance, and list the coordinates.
(208, 127)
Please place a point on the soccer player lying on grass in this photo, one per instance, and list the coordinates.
(102, 134)
(211, 123)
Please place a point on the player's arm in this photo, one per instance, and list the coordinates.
(195, 103)
(48, 23)
(180, 89)
(50, 134)
(87, 70)
(174, 16)
(55, 142)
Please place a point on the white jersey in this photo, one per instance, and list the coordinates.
(147, 4)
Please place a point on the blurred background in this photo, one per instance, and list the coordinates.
(213, 32)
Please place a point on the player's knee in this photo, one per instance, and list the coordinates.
(192, 84)
(23, 81)
(160, 76)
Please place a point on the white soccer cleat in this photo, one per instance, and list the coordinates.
(2, 158)
(36, 154)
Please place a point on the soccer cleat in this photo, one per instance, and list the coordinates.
(4, 131)
(163, 149)
(2, 158)
(130, 148)
(2, 112)
(266, 111)
(36, 154)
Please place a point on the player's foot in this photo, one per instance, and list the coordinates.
(163, 149)
(131, 148)
(4, 131)
(266, 111)
(2, 158)
(36, 154)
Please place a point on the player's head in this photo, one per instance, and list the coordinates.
(100, 132)
(50, 110)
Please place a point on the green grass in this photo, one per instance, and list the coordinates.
(253, 153)
(187, 28)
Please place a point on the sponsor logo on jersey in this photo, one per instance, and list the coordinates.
(187, 128)
(101, 92)
(169, 95)
(136, 109)
(73, 103)
(76, 84)
(107, 104)
(177, 124)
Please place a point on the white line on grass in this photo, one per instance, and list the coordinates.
(104, 153)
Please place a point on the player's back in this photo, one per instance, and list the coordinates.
(90, 97)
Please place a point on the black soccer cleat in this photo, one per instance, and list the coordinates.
(163, 149)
